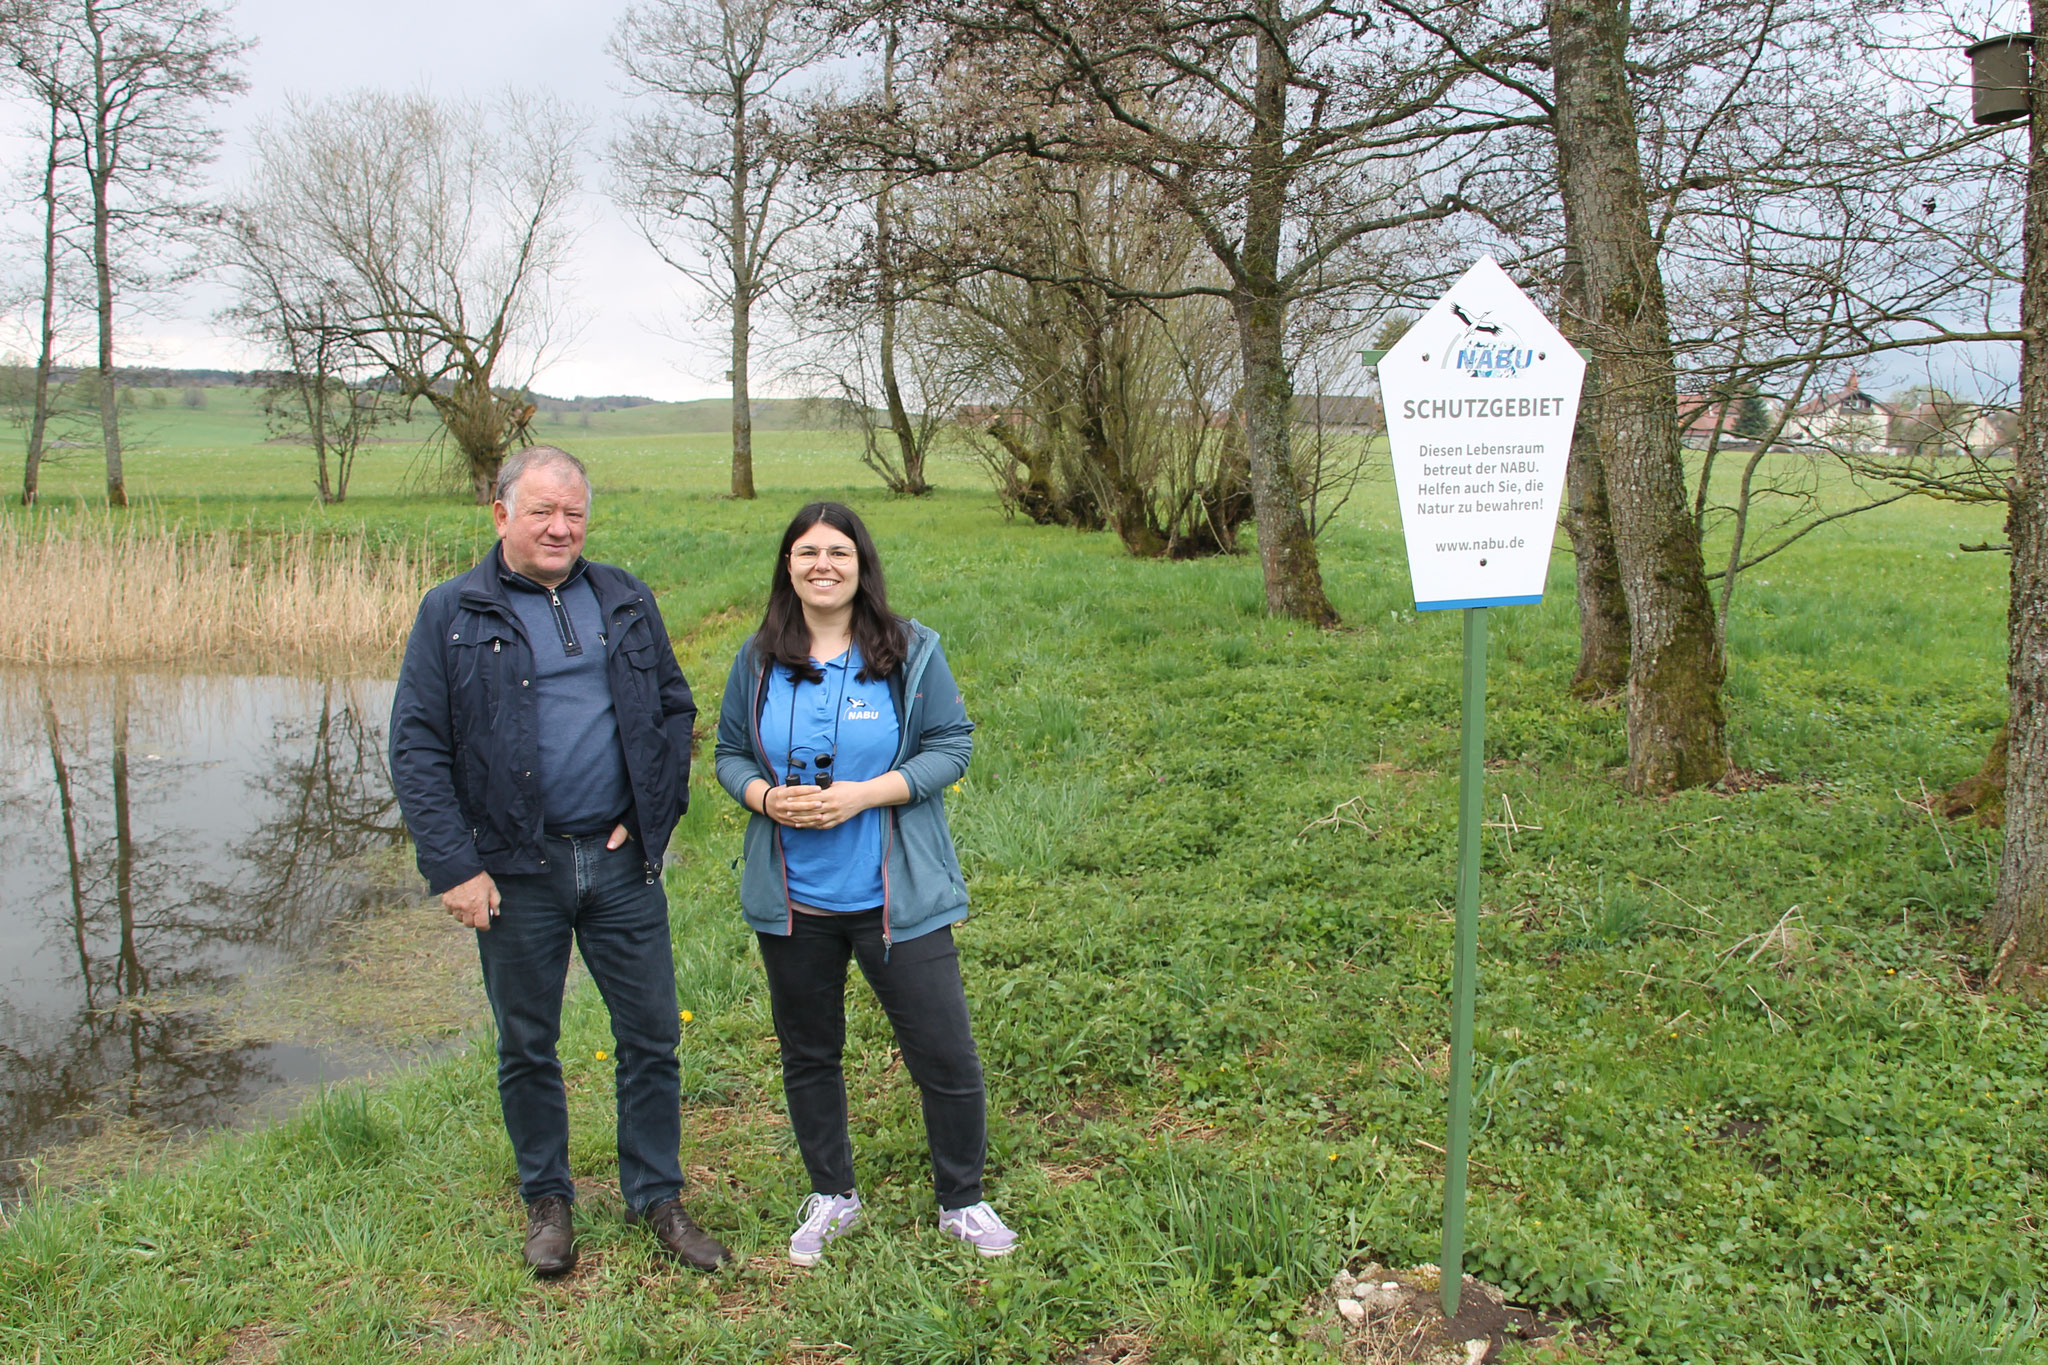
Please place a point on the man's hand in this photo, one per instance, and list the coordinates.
(619, 836)
(474, 902)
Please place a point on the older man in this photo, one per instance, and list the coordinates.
(540, 746)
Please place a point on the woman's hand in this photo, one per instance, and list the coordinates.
(782, 804)
(821, 807)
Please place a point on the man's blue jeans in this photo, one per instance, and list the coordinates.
(616, 913)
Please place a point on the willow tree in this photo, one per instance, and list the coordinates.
(1298, 148)
(428, 233)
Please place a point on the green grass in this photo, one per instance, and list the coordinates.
(1214, 1019)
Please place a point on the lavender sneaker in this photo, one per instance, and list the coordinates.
(822, 1218)
(979, 1227)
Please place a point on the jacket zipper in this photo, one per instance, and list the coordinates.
(564, 627)
(781, 855)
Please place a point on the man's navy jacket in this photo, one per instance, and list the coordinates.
(464, 726)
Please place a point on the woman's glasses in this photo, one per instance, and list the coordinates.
(838, 556)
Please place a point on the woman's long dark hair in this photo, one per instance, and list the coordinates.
(879, 633)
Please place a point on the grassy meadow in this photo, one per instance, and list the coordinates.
(1736, 1097)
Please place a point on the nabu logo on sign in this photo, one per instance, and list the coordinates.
(1488, 349)
(856, 710)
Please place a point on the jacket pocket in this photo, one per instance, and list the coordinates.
(929, 869)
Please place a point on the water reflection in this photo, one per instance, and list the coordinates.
(165, 837)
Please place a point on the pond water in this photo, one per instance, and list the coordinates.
(168, 840)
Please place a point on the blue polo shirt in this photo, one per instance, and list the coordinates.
(854, 721)
(583, 782)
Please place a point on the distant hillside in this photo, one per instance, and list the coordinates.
(133, 376)
(622, 414)
(703, 415)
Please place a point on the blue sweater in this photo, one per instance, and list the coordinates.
(922, 888)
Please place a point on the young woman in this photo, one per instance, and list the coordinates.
(840, 732)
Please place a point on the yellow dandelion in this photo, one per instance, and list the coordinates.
(686, 1016)
(599, 1054)
(1333, 1156)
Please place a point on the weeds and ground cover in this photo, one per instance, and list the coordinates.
(1735, 1098)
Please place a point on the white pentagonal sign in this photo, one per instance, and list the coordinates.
(1481, 394)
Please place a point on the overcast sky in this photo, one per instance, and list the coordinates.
(636, 317)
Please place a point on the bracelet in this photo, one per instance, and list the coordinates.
(764, 799)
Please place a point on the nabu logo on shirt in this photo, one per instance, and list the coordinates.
(856, 710)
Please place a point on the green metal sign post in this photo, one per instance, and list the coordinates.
(1480, 395)
(1465, 971)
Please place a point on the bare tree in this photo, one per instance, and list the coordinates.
(44, 66)
(702, 168)
(132, 79)
(317, 391)
(429, 232)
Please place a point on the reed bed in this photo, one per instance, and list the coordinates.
(105, 591)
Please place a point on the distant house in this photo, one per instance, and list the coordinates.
(1703, 416)
(1948, 428)
(1847, 419)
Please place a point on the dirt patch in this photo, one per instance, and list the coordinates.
(1737, 781)
(1380, 1317)
(256, 1344)
(1115, 1348)
(831, 1353)
(457, 1329)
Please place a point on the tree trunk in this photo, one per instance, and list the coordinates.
(1676, 729)
(1129, 510)
(1287, 550)
(316, 419)
(743, 285)
(110, 414)
(912, 481)
(742, 402)
(2016, 929)
(1603, 607)
(885, 279)
(39, 417)
(101, 161)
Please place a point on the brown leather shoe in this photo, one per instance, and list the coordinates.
(550, 1236)
(679, 1232)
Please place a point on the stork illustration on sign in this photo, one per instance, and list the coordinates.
(1487, 349)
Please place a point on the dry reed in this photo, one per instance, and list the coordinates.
(104, 591)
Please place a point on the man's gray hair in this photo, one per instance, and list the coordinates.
(519, 462)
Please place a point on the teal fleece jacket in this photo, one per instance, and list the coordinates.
(922, 888)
